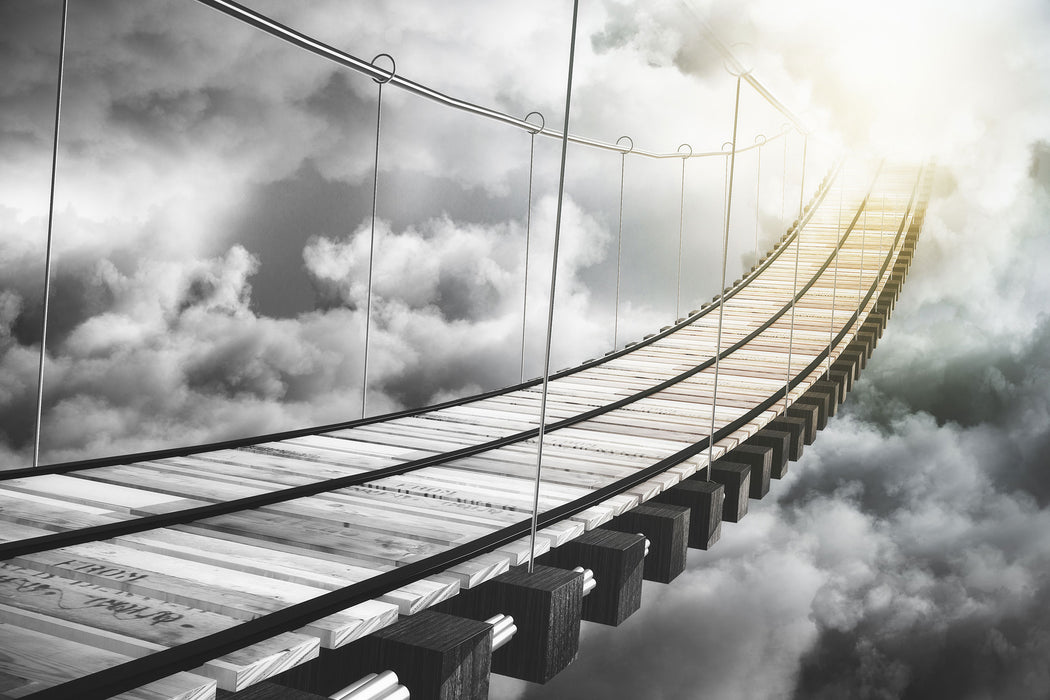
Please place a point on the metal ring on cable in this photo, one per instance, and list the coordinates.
(541, 127)
(631, 147)
(731, 72)
(731, 147)
(764, 139)
(686, 155)
(393, 68)
(785, 127)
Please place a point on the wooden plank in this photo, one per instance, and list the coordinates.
(34, 661)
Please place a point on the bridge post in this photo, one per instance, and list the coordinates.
(617, 560)
(704, 501)
(545, 605)
(666, 526)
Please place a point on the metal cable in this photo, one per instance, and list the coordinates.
(619, 243)
(550, 304)
(528, 233)
(835, 284)
(722, 301)
(50, 236)
(783, 179)
(794, 283)
(681, 229)
(327, 52)
(758, 195)
(372, 238)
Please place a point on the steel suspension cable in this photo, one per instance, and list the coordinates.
(554, 284)
(794, 284)
(758, 193)
(722, 301)
(835, 283)
(528, 233)
(372, 236)
(619, 240)
(50, 236)
(681, 229)
(783, 180)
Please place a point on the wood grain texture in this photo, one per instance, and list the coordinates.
(616, 558)
(704, 500)
(546, 608)
(666, 526)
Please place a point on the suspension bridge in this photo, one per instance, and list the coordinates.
(413, 554)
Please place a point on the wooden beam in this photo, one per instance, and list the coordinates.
(617, 559)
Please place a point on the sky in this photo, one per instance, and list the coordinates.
(213, 206)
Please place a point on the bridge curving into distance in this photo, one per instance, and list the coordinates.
(420, 541)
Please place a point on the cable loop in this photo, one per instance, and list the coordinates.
(686, 155)
(393, 68)
(631, 147)
(538, 129)
(764, 139)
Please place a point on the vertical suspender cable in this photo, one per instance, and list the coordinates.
(681, 228)
(860, 273)
(722, 301)
(794, 283)
(835, 283)
(372, 238)
(784, 177)
(554, 280)
(619, 240)
(528, 233)
(758, 194)
(50, 232)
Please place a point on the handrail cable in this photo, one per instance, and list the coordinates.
(328, 52)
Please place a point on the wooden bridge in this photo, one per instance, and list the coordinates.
(320, 556)
(472, 537)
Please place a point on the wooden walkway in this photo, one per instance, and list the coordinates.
(244, 560)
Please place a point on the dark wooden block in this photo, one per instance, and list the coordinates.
(546, 607)
(617, 560)
(666, 526)
(267, 690)
(434, 655)
(809, 413)
(796, 427)
(736, 478)
(834, 392)
(869, 338)
(822, 401)
(780, 442)
(847, 364)
(841, 377)
(857, 350)
(760, 459)
(704, 501)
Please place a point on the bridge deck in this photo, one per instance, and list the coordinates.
(343, 530)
